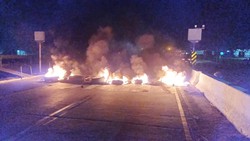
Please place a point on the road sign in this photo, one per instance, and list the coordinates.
(194, 35)
(39, 36)
(193, 58)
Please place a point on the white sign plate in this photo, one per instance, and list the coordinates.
(39, 36)
(194, 34)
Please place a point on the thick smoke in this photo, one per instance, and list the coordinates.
(98, 49)
(147, 55)
(150, 55)
(96, 57)
(138, 65)
(69, 64)
(119, 63)
(146, 41)
(105, 34)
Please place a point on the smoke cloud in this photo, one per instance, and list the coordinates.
(146, 41)
(96, 57)
(138, 65)
(146, 55)
(67, 63)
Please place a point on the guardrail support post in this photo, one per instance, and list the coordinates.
(1, 65)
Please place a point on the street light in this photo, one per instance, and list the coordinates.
(39, 38)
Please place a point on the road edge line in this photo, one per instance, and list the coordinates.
(183, 117)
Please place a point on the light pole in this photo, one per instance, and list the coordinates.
(39, 38)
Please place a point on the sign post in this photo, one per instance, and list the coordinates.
(194, 36)
(39, 38)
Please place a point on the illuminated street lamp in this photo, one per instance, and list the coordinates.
(39, 38)
(194, 35)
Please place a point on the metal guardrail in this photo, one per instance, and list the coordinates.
(30, 68)
(4, 57)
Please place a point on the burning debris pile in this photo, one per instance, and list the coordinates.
(171, 77)
(111, 64)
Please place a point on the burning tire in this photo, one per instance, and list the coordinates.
(98, 80)
(117, 82)
(90, 80)
(137, 81)
(77, 79)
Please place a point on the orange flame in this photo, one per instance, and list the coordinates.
(109, 78)
(173, 78)
(56, 71)
(104, 73)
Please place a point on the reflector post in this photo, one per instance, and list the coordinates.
(193, 58)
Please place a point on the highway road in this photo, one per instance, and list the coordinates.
(34, 110)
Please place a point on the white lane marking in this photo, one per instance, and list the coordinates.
(183, 117)
(63, 111)
(46, 120)
(55, 118)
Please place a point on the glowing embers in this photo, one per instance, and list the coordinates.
(56, 72)
(142, 79)
(171, 77)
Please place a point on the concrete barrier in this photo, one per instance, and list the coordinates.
(233, 103)
(194, 79)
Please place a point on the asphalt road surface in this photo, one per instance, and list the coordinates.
(34, 110)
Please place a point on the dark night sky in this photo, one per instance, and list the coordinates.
(227, 21)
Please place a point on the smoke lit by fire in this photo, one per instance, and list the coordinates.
(120, 63)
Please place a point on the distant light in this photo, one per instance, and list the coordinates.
(21, 52)
(228, 51)
(221, 53)
(168, 48)
(195, 26)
